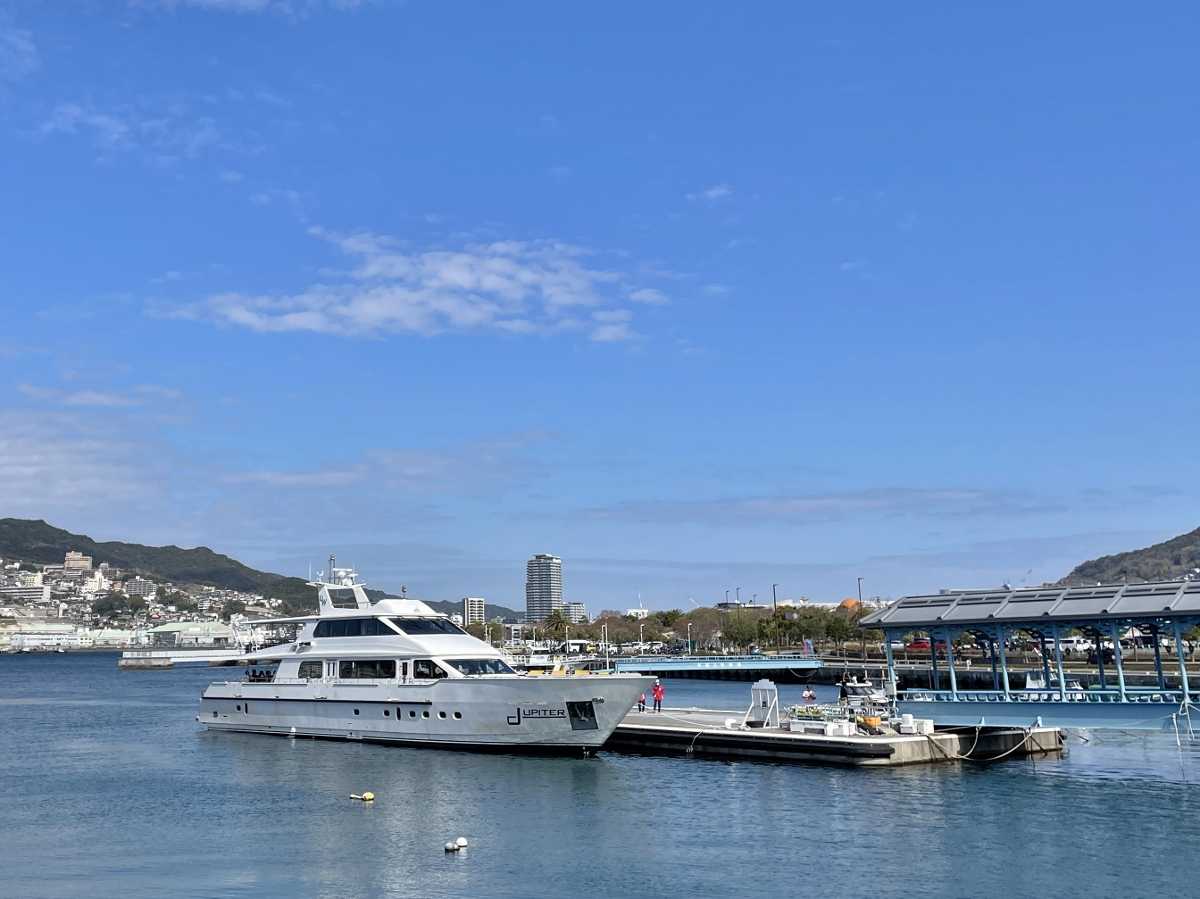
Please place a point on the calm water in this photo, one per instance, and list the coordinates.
(110, 788)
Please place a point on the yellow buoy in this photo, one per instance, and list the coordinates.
(365, 797)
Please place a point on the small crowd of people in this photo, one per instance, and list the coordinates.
(260, 675)
(657, 692)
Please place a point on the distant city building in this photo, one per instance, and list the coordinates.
(576, 613)
(139, 586)
(639, 613)
(76, 561)
(543, 587)
(474, 610)
(513, 633)
(25, 593)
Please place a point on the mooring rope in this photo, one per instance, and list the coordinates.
(953, 756)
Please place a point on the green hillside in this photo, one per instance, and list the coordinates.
(1171, 560)
(33, 540)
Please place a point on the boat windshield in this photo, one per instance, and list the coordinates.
(415, 627)
(480, 666)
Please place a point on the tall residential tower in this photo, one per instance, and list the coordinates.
(543, 587)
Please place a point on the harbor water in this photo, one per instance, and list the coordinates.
(110, 788)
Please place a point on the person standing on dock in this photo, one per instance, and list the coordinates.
(658, 692)
(642, 702)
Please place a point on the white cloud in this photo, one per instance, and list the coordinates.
(284, 7)
(649, 295)
(712, 194)
(811, 508)
(164, 135)
(18, 53)
(100, 399)
(491, 463)
(54, 464)
(612, 325)
(516, 287)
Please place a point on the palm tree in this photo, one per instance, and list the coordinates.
(556, 623)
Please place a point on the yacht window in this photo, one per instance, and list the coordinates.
(424, 626)
(343, 599)
(353, 627)
(366, 668)
(427, 668)
(481, 666)
(310, 670)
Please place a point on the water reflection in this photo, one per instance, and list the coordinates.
(112, 789)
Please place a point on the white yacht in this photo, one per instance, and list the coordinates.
(396, 671)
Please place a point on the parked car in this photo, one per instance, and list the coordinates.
(1076, 644)
(921, 644)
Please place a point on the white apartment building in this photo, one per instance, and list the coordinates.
(543, 587)
(576, 613)
(474, 610)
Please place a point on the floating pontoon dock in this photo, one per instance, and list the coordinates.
(1164, 611)
(708, 732)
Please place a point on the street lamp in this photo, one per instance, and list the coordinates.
(642, 638)
(775, 614)
(726, 597)
(862, 635)
(604, 636)
(689, 624)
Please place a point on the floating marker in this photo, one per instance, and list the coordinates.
(365, 797)
(452, 846)
(461, 842)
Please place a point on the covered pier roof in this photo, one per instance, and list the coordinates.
(1042, 606)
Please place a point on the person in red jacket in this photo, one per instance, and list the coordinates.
(657, 692)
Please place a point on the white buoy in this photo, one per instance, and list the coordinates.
(461, 842)
(452, 846)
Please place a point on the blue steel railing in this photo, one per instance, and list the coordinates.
(1072, 695)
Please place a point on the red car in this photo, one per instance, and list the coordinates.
(921, 644)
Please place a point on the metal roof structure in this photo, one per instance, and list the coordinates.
(1042, 606)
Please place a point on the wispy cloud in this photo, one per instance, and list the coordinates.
(711, 194)
(509, 286)
(282, 7)
(103, 399)
(165, 135)
(649, 295)
(61, 463)
(18, 53)
(492, 462)
(815, 508)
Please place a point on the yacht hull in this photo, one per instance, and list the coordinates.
(550, 714)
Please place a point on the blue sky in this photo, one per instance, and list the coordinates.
(693, 296)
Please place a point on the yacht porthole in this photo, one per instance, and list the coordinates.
(412, 713)
(239, 708)
(441, 714)
(214, 713)
(356, 711)
(387, 713)
(458, 715)
(424, 714)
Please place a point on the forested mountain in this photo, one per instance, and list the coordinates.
(1171, 560)
(33, 540)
